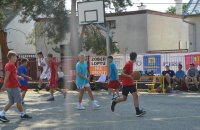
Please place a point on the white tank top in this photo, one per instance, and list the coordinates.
(42, 62)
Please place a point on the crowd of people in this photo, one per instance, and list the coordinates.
(181, 79)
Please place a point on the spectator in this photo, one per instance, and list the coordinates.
(61, 76)
(180, 77)
(192, 75)
(169, 76)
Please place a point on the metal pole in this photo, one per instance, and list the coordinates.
(108, 42)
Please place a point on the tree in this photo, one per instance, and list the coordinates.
(53, 10)
(172, 9)
(95, 41)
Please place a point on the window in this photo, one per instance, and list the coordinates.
(111, 24)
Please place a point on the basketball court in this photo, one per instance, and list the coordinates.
(178, 111)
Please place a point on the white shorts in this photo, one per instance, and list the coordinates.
(83, 86)
(45, 75)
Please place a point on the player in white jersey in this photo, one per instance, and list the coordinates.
(44, 68)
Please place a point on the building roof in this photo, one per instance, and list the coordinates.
(193, 8)
(143, 12)
(128, 13)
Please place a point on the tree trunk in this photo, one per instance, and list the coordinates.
(4, 47)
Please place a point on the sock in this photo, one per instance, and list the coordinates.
(2, 113)
(22, 113)
(137, 109)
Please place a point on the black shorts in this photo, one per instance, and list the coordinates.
(128, 89)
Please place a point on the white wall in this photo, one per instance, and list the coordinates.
(16, 36)
(166, 33)
(130, 32)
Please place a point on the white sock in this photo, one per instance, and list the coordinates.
(2, 113)
(22, 113)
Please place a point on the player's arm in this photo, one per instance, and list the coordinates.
(196, 73)
(82, 76)
(126, 75)
(7, 74)
(26, 76)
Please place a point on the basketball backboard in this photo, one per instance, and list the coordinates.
(91, 12)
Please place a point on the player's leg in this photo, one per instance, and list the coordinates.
(94, 102)
(24, 90)
(51, 90)
(61, 91)
(125, 92)
(7, 106)
(133, 90)
(18, 100)
(80, 97)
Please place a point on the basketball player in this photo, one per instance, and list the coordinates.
(113, 84)
(82, 82)
(128, 86)
(42, 64)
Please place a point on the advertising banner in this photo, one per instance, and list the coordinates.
(152, 63)
(98, 66)
(173, 60)
(192, 58)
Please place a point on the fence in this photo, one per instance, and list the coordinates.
(98, 65)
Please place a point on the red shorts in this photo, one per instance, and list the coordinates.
(53, 84)
(24, 88)
(114, 84)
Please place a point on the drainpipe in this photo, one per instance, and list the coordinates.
(194, 32)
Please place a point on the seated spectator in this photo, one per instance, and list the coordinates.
(169, 76)
(61, 76)
(180, 78)
(192, 75)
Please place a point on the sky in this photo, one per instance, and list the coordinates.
(157, 5)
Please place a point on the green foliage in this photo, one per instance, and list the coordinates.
(172, 9)
(53, 10)
(97, 42)
(119, 5)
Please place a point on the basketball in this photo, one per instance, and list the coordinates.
(136, 75)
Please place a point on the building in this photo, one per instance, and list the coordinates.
(192, 17)
(148, 31)
(17, 35)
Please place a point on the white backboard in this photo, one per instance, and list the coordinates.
(91, 12)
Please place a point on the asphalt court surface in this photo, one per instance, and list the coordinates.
(175, 111)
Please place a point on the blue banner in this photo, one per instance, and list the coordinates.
(152, 63)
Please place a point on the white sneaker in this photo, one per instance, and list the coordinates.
(80, 107)
(95, 104)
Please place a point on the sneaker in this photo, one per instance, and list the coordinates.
(140, 113)
(95, 105)
(51, 99)
(25, 116)
(113, 106)
(80, 107)
(3, 119)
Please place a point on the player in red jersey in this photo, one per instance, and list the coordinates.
(128, 86)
